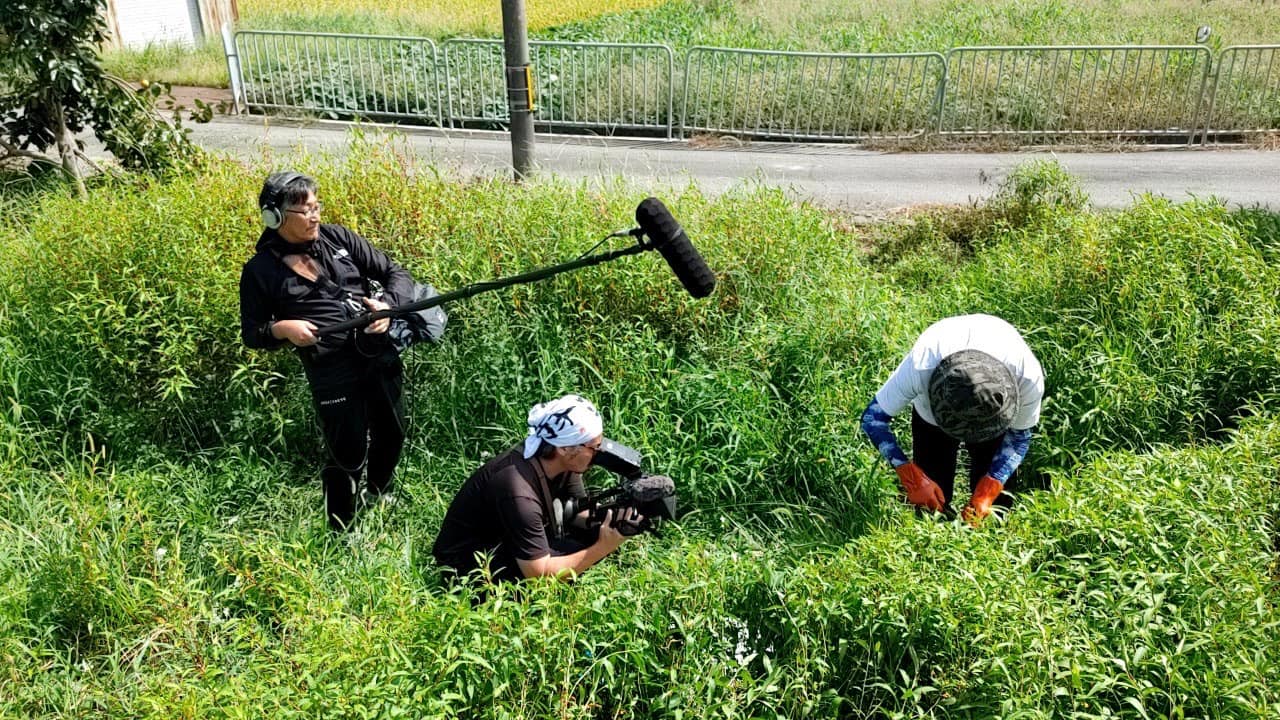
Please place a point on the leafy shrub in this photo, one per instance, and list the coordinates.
(928, 246)
(1035, 190)
(66, 597)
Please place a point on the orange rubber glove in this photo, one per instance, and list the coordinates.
(921, 491)
(979, 505)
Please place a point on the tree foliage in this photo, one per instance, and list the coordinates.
(53, 85)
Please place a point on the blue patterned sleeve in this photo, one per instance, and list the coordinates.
(1010, 455)
(875, 423)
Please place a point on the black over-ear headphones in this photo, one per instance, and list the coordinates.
(273, 197)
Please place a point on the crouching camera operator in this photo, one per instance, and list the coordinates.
(528, 512)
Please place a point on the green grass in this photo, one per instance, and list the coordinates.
(203, 65)
(165, 553)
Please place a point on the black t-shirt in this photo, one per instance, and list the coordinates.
(500, 510)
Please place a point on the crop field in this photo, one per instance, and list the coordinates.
(165, 553)
(935, 25)
(435, 18)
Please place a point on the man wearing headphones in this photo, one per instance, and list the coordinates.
(307, 275)
(969, 379)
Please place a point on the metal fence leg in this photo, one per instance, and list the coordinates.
(233, 68)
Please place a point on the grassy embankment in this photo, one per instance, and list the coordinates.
(164, 553)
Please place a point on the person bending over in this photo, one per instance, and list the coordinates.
(506, 514)
(968, 380)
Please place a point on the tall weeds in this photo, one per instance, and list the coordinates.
(165, 554)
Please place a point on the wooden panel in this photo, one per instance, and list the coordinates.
(113, 26)
(213, 13)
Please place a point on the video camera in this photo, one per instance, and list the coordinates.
(653, 496)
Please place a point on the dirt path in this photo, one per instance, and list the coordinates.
(218, 98)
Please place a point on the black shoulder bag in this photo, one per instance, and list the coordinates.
(415, 327)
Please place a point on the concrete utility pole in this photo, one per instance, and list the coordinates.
(515, 40)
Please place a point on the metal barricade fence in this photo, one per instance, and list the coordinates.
(810, 95)
(604, 87)
(1098, 90)
(1246, 91)
(340, 75)
(475, 81)
(1024, 91)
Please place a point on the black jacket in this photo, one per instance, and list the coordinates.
(270, 291)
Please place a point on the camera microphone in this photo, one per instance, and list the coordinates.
(648, 488)
(668, 238)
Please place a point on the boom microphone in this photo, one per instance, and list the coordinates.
(668, 237)
(664, 233)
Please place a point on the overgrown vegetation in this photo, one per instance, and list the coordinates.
(933, 25)
(166, 555)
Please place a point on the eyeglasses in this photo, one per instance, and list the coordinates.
(313, 211)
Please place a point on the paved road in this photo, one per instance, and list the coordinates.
(859, 181)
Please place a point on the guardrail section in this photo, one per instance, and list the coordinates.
(1246, 91)
(340, 75)
(810, 96)
(1109, 90)
(604, 87)
(1033, 93)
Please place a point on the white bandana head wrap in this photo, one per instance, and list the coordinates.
(566, 421)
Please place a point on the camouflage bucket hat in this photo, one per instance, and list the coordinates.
(973, 396)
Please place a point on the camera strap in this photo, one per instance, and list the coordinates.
(548, 502)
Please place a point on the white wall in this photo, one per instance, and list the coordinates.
(157, 21)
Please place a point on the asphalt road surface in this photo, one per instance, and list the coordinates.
(855, 180)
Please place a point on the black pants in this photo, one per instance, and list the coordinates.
(359, 403)
(936, 453)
